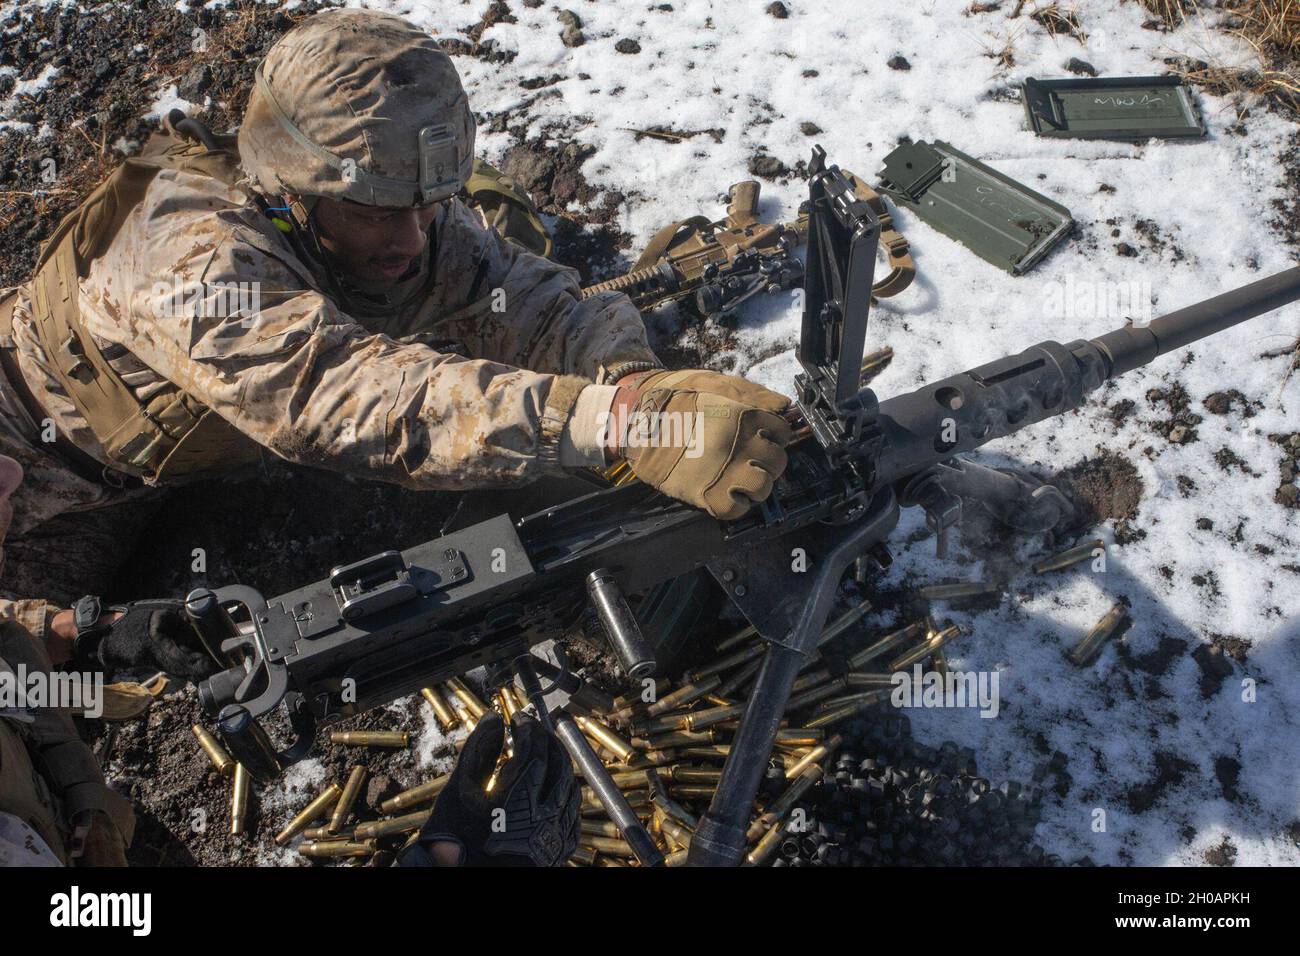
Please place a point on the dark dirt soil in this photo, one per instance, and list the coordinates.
(98, 96)
(183, 805)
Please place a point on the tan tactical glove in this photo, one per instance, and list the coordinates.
(711, 440)
(702, 380)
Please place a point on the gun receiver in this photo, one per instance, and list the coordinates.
(383, 628)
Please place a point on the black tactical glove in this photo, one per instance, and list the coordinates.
(531, 816)
(150, 636)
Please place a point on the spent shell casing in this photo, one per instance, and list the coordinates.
(604, 735)
(849, 700)
(1101, 632)
(323, 835)
(845, 621)
(1073, 556)
(744, 634)
(224, 763)
(684, 695)
(826, 718)
(442, 711)
(708, 718)
(416, 795)
(337, 849)
(886, 644)
(609, 846)
(351, 790)
(872, 680)
(371, 738)
(506, 703)
(799, 701)
(610, 861)
(739, 678)
(692, 791)
(766, 845)
(810, 680)
(784, 803)
(658, 725)
(799, 737)
(711, 752)
(877, 358)
(939, 661)
(674, 831)
(671, 808)
(684, 774)
(600, 828)
(813, 756)
(373, 829)
(677, 859)
(626, 704)
(924, 649)
(239, 791)
(957, 591)
(463, 713)
(734, 659)
(678, 738)
(462, 692)
(583, 856)
(318, 808)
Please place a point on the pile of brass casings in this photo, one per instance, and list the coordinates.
(665, 750)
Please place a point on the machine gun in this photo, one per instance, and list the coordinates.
(386, 626)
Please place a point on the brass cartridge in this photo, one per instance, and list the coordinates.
(315, 810)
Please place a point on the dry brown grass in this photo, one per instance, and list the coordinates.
(1170, 12)
(1272, 29)
(1059, 20)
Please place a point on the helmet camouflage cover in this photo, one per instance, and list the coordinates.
(360, 105)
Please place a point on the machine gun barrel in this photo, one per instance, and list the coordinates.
(1134, 346)
(959, 414)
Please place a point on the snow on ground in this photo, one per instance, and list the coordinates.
(731, 66)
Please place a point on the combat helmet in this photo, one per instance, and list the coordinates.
(359, 105)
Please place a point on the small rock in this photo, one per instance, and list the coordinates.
(810, 73)
(627, 46)
(809, 129)
(1080, 67)
(572, 35)
(768, 167)
(379, 789)
(1220, 403)
(1180, 434)
(1204, 524)
(898, 62)
(1288, 495)
(533, 4)
(1213, 662)
(195, 84)
(778, 10)
(1124, 249)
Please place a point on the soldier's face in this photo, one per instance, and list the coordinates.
(374, 243)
